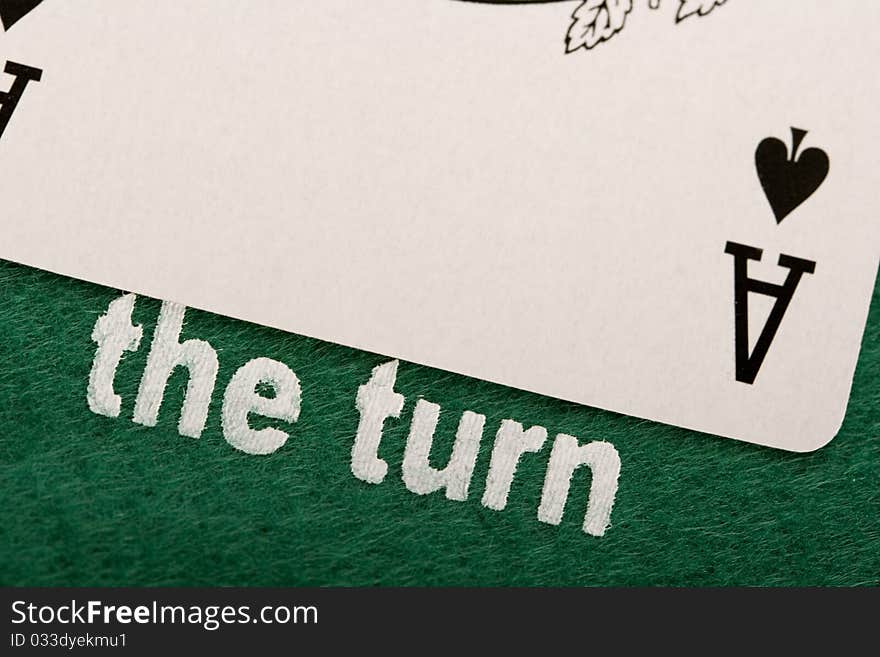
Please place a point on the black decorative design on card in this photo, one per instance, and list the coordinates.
(789, 181)
(688, 8)
(11, 11)
(595, 21)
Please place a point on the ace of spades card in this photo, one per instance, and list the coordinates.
(665, 209)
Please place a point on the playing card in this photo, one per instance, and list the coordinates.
(662, 209)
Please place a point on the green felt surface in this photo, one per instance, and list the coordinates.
(90, 500)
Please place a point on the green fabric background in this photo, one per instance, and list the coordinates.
(90, 500)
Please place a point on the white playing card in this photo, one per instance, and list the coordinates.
(439, 181)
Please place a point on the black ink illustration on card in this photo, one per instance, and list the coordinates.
(595, 21)
(592, 22)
